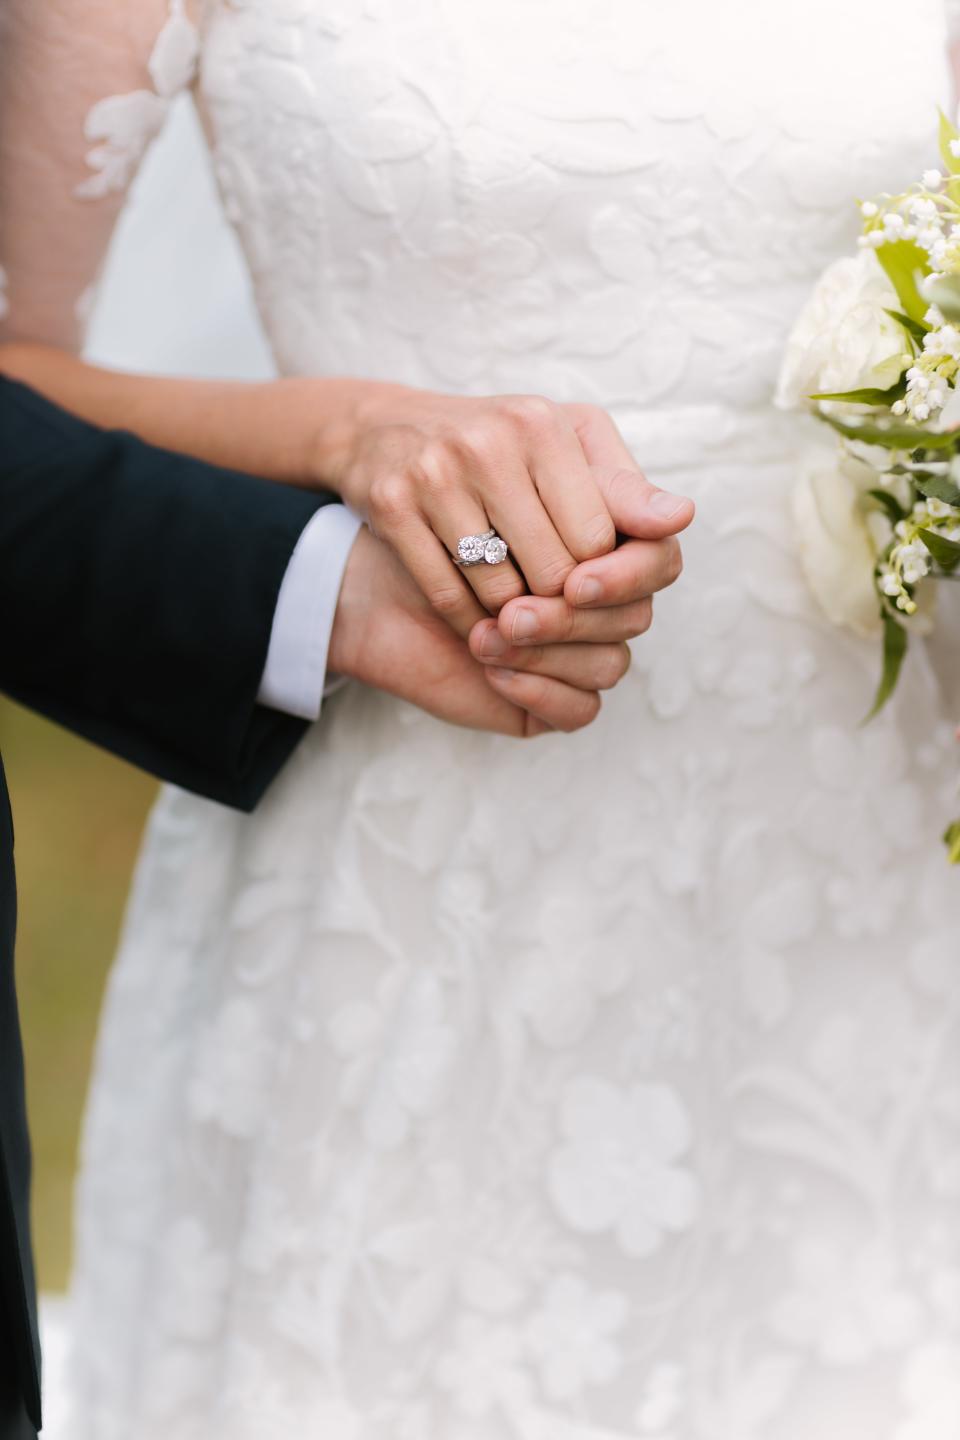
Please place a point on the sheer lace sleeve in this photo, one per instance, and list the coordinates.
(85, 85)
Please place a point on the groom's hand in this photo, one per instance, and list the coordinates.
(387, 635)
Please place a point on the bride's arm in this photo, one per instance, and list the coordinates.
(84, 84)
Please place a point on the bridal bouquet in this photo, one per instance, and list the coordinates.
(876, 354)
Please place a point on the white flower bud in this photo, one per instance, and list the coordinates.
(932, 179)
(868, 210)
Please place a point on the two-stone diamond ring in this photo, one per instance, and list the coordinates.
(485, 549)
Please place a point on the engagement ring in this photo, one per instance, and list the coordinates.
(486, 549)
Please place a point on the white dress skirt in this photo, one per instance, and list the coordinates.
(607, 1086)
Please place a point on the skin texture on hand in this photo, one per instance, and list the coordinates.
(408, 459)
(360, 436)
(387, 636)
(556, 481)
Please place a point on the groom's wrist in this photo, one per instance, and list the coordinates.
(295, 677)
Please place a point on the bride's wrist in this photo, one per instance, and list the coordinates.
(341, 419)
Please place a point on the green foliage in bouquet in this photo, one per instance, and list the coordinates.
(908, 432)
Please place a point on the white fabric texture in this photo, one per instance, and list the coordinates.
(607, 1087)
(295, 673)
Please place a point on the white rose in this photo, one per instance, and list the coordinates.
(844, 340)
(838, 546)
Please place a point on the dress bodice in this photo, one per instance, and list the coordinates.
(624, 201)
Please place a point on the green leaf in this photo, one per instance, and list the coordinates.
(945, 294)
(903, 262)
(890, 504)
(945, 552)
(891, 435)
(938, 487)
(866, 396)
(894, 649)
(914, 328)
(948, 132)
(951, 838)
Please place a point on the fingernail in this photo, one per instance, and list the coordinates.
(493, 643)
(588, 591)
(500, 674)
(666, 505)
(524, 625)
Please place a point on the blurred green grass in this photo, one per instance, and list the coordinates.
(78, 815)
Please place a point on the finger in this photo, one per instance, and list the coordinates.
(599, 438)
(453, 515)
(635, 504)
(639, 509)
(538, 620)
(560, 706)
(519, 514)
(564, 481)
(441, 582)
(635, 569)
(588, 667)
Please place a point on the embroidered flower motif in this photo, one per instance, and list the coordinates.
(122, 126)
(484, 1369)
(618, 1169)
(399, 1053)
(846, 1305)
(562, 980)
(230, 1084)
(573, 1336)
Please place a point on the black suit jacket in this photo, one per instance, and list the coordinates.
(137, 595)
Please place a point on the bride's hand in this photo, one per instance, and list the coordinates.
(555, 481)
(386, 635)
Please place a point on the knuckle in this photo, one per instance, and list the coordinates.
(433, 470)
(673, 562)
(599, 536)
(496, 593)
(481, 443)
(530, 413)
(389, 500)
(644, 617)
(552, 574)
(447, 600)
(615, 665)
(582, 713)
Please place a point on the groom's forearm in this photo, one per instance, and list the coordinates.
(294, 430)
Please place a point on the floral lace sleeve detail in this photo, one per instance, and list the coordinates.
(63, 144)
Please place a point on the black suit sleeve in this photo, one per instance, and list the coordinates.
(137, 595)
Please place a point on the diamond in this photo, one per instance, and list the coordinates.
(471, 549)
(495, 551)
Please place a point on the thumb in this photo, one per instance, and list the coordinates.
(641, 510)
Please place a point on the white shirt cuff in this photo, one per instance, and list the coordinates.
(295, 675)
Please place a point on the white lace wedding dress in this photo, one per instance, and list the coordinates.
(610, 1086)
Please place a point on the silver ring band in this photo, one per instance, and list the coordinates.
(485, 549)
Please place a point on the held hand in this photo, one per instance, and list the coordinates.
(386, 635)
(605, 601)
(426, 469)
